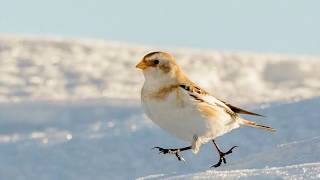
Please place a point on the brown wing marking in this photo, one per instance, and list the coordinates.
(193, 89)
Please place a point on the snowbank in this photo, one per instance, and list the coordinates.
(68, 69)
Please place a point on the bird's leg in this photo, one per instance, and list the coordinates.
(222, 154)
(173, 151)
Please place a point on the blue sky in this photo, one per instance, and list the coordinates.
(288, 26)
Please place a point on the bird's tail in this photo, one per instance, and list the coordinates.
(255, 125)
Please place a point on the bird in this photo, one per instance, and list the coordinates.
(184, 109)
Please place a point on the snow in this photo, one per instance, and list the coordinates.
(111, 138)
(301, 171)
(296, 160)
(69, 110)
(34, 68)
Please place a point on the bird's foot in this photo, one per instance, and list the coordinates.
(170, 151)
(222, 157)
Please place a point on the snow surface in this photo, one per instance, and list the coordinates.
(296, 160)
(95, 140)
(70, 69)
(301, 171)
(69, 110)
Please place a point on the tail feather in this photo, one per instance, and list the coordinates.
(255, 125)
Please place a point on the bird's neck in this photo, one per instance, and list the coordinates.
(155, 85)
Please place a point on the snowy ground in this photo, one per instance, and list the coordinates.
(70, 69)
(70, 111)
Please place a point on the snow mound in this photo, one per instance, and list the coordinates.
(68, 69)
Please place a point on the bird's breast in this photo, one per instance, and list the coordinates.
(175, 114)
(163, 106)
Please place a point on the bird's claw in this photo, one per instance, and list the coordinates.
(179, 157)
(170, 151)
(230, 150)
(222, 157)
(162, 150)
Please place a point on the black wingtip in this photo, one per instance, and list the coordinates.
(255, 114)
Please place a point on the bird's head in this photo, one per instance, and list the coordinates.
(160, 67)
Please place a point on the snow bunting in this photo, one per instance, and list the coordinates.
(185, 110)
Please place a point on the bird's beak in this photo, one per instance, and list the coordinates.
(142, 65)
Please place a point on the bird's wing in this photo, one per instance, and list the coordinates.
(201, 95)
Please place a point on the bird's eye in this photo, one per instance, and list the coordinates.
(156, 61)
